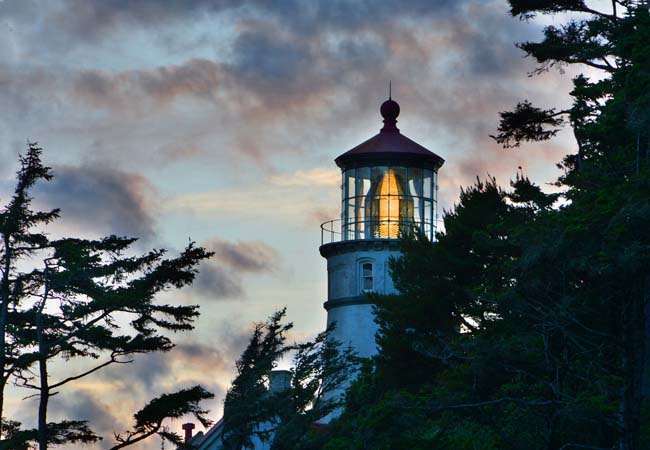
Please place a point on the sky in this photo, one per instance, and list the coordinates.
(218, 121)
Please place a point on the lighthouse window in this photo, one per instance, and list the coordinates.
(363, 181)
(428, 183)
(366, 277)
(428, 218)
(415, 182)
(381, 202)
(400, 177)
(349, 185)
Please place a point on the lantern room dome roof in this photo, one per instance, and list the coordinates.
(389, 147)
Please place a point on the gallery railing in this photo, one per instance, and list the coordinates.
(372, 229)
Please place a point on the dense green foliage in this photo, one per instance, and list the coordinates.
(526, 325)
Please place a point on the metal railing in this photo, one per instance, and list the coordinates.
(337, 231)
(327, 229)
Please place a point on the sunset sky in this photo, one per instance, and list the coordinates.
(219, 120)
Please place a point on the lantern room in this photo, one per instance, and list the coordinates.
(389, 186)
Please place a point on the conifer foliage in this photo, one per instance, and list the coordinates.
(63, 299)
(526, 325)
(284, 419)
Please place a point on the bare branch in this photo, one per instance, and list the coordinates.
(95, 369)
(129, 441)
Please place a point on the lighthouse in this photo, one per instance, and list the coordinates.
(389, 186)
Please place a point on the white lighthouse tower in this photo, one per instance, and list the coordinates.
(389, 186)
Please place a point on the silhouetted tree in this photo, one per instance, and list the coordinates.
(527, 323)
(72, 305)
(149, 420)
(284, 418)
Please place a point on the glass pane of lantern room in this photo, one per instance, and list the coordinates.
(417, 212)
(428, 219)
(400, 178)
(376, 176)
(363, 206)
(350, 183)
(415, 181)
(378, 207)
(398, 209)
(435, 201)
(349, 188)
(351, 226)
(435, 186)
(361, 217)
(344, 208)
(363, 181)
(348, 178)
(428, 183)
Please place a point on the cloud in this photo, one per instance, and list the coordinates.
(293, 207)
(197, 78)
(322, 65)
(271, 56)
(251, 256)
(195, 359)
(101, 200)
(80, 404)
(291, 49)
(320, 176)
(213, 357)
(108, 399)
(222, 275)
(287, 195)
(215, 282)
(320, 216)
(93, 19)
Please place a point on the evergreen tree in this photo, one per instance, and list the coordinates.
(320, 366)
(284, 418)
(69, 308)
(247, 410)
(20, 241)
(527, 325)
(442, 349)
(149, 420)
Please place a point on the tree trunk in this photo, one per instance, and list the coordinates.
(4, 311)
(42, 404)
(42, 368)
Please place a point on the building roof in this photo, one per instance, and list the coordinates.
(389, 146)
(210, 439)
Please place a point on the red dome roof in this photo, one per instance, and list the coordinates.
(389, 146)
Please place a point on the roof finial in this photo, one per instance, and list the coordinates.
(389, 111)
(390, 89)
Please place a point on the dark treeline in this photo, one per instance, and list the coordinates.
(526, 325)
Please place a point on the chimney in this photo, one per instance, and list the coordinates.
(188, 427)
(279, 380)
